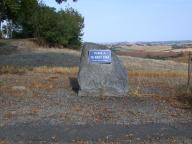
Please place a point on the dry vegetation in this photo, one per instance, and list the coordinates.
(13, 70)
(164, 85)
(59, 70)
(155, 52)
(183, 58)
(147, 77)
(4, 142)
(151, 74)
(32, 45)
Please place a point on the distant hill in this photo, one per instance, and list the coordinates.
(152, 43)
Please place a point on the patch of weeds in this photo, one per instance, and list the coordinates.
(34, 111)
(135, 92)
(5, 43)
(59, 70)
(3, 142)
(1, 82)
(13, 70)
(184, 95)
(2, 43)
(8, 115)
(148, 56)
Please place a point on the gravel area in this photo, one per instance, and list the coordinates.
(34, 107)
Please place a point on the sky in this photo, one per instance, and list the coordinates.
(133, 20)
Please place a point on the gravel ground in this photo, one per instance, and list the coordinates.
(36, 108)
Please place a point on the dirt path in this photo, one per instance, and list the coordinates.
(45, 132)
(40, 59)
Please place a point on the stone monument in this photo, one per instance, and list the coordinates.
(101, 73)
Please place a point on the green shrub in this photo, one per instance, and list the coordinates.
(58, 28)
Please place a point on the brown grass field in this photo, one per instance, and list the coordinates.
(159, 84)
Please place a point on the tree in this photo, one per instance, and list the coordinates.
(62, 28)
(73, 24)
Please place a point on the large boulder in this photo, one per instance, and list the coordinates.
(96, 79)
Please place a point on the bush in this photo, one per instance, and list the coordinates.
(175, 46)
(58, 28)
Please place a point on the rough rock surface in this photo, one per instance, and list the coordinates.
(101, 79)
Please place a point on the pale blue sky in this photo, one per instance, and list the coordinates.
(133, 20)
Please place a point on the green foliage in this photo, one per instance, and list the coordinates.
(27, 8)
(2, 11)
(58, 28)
(9, 9)
(72, 24)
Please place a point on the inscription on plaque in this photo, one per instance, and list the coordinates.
(100, 56)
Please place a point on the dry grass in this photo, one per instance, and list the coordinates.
(42, 69)
(42, 85)
(13, 70)
(183, 58)
(75, 70)
(34, 110)
(139, 79)
(162, 85)
(136, 73)
(9, 89)
(3, 142)
(184, 95)
(133, 63)
(32, 45)
(171, 86)
(59, 70)
(143, 73)
(8, 115)
(147, 48)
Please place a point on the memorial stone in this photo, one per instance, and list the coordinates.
(101, 73)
